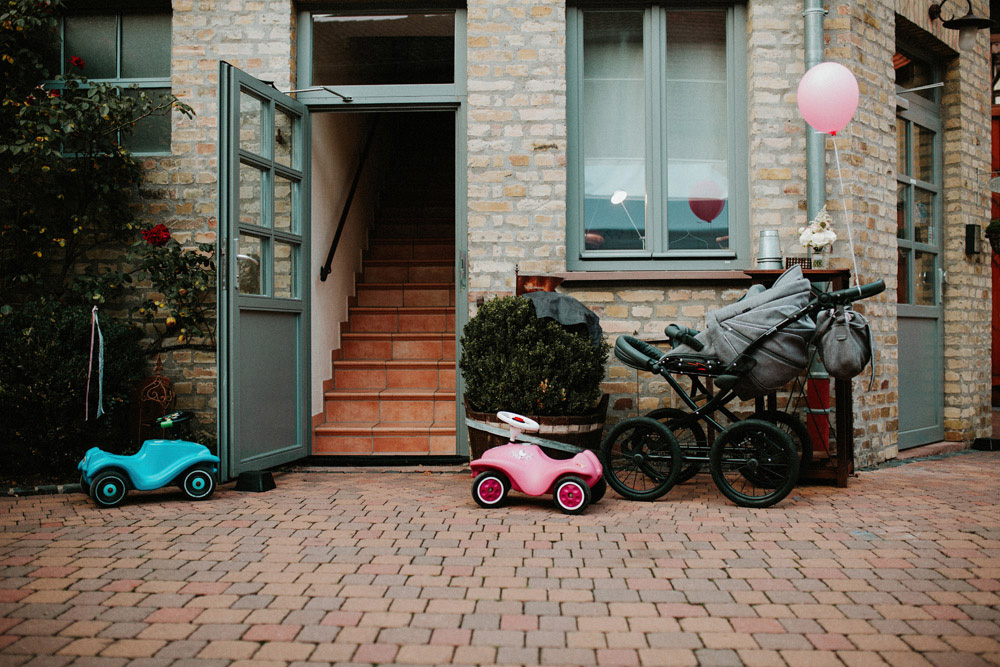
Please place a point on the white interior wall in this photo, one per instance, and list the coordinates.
(337, 139)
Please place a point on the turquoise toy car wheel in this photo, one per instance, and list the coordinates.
(198, 484)
(109, 489)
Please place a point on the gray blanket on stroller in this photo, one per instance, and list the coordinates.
(730, 329)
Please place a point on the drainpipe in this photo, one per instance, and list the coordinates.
(818, 384)
(815, 141)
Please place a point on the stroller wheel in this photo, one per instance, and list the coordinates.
(641, 458)
(690, 436)
(754, 463)
(794, 429)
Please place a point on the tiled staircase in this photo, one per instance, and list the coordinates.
(393, 385)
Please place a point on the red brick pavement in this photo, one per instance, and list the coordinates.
(901, 568)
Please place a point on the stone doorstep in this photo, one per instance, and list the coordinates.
(932, 449)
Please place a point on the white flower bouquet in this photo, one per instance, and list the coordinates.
(818, 234)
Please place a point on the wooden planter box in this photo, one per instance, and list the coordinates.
(583, 431)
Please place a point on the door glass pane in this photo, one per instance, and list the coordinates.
(697, 135)
(249, 265)
(251, 119)
(912, 73)
(614, 141)
(285, 259)
(383, 49)
(903, 275)
(923, 154)
(152, 133)
(145, 45)
(902, 165)
(902, 199)
(284, 139)
(284, 202)
(923, 217)
(94, 39)
(251, 192)
(924, 278)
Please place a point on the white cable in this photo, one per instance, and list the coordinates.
(850, 231)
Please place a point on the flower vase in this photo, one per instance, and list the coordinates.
(818, 258)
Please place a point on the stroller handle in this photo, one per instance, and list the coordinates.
(850, 294)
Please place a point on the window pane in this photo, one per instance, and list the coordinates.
(95, 40)
(145, 46)
(923, 217)
(249, 266)
(251, 205)
(902, 197)
(697, 135)
(902, 275)
(151, 134)
(383, 49)
(614, 141)
(284, 139)
(251, 119)
(284, 213)
(924, 278)
(912, 73)
(923, 153)
(902, 165)
(285, 259)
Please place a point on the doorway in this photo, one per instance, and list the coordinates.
(383, 322)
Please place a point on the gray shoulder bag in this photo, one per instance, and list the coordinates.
(844, 339)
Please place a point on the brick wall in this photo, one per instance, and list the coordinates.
(517, 189)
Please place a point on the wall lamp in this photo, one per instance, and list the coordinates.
(967, 25)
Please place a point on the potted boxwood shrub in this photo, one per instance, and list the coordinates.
(513, 360)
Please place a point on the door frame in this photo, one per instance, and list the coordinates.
(411, 97)
(926, 114)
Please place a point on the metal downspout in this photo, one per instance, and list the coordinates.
(815, 141)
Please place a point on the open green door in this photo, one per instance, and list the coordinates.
(263, 290)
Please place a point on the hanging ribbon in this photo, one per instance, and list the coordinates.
(847, 210)
(95, 327)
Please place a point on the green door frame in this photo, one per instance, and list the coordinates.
(414, 97)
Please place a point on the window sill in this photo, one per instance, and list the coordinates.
(645, 277)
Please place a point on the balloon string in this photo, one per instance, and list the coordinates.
(847, 211)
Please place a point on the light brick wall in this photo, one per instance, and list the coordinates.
(516, 141)
(505, 211)
(257, 37)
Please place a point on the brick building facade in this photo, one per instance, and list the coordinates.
(513, 114)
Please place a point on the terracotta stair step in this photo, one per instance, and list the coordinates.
(403, 320)
(408, 271)
(405, 295)
(422, 227)
(391, 406)
(427, 346)
(406, 374)
(384, 438)
(443, 248)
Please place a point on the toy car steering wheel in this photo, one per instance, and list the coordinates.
(174, 418)
(517, 423)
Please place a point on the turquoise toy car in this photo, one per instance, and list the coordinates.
(107, 478)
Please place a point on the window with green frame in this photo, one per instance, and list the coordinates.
(657, 140)
(125, 49)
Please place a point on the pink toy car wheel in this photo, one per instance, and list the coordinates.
(490, 488)
(572, 495)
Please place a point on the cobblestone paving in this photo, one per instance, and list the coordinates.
(900, 568)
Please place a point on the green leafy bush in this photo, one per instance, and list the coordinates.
(512, 360)
(43, 385)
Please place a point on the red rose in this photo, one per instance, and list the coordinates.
(157, 236)
(76, 61)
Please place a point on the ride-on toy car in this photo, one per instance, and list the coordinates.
(574, 483)
(107, 478)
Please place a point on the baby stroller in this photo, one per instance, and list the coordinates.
(749, 348)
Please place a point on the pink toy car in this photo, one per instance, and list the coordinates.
(574, 483)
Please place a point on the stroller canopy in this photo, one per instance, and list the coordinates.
(730, 329)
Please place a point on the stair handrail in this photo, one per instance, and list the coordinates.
(324, 270)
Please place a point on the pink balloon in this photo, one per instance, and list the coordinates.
(706, 200)
(828, 97)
